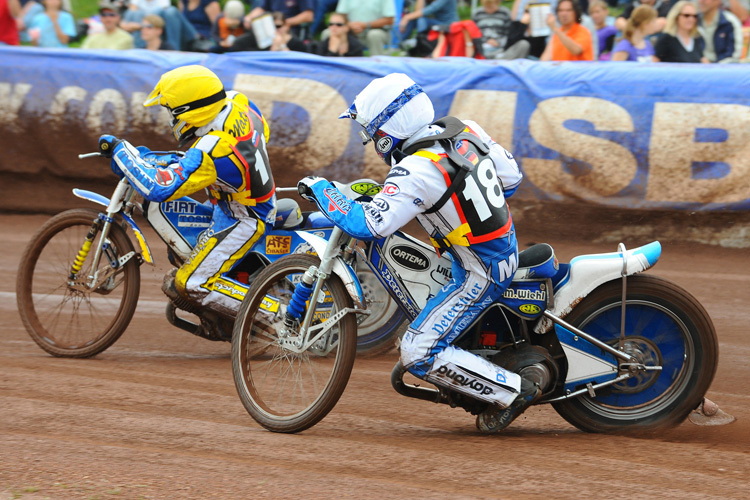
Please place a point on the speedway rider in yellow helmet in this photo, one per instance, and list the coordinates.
(228, 158)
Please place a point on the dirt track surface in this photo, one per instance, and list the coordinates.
(157, 416)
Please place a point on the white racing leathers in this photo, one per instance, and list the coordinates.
(474, 226)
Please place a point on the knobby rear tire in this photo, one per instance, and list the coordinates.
(264, 371)
(62, 321)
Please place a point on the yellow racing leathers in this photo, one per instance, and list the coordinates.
(230, 160)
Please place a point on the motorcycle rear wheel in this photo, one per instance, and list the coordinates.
(63, 320)
(665, 326)
(284, 390)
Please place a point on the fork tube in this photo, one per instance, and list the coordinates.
(115, 204)
(324, 270)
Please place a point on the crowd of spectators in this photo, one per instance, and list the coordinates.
(707, 31)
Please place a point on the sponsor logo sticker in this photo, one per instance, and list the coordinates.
(529, 308)
(277, 245)
(391, 189)
(411, 258)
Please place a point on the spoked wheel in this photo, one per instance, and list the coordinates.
(377, 332)
(284, 386)
(63, 316)
(665, 326)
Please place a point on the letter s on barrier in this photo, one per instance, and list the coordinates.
(674, 149)
(323, 105)
(614, 166)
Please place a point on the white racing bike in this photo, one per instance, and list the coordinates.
(611, 348)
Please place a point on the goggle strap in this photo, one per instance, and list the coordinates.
(199, 103)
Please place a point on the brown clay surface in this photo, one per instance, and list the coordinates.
(157, 415)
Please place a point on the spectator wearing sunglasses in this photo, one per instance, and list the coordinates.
(152, 29)
(340, 42)
(113, 37)
(681, 41)
(370, 22)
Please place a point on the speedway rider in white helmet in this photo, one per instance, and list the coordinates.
(454, 179)
(228, 157)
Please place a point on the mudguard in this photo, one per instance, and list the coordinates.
(341, 268)
(103, 200)
(587, 272)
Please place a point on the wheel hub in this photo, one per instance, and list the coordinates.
(646, 353)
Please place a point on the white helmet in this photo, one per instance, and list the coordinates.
(390, 109)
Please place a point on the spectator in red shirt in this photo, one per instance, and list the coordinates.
(9, 10)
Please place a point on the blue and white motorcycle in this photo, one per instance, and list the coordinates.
(78, 282)
(612, 349)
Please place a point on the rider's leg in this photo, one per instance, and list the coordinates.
(219, 248)
(426, 349)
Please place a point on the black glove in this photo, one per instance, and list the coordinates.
(107, 145)
(304, 187)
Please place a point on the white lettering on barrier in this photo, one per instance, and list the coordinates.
(96, 114)
(673, 150)
(11, 100)
(57, 110)
(327, 134)
(143, 118)
(613, 166)
(494, 110)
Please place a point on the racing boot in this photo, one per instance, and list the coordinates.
(495, 419)
(170, 290)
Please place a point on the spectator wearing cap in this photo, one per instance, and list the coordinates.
(152, 29)
(721, 30)
(228, 25)
(113, 37)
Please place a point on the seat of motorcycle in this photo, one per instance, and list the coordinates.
(288, 214)
(536, 262)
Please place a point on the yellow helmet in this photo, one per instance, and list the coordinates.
(193, 94)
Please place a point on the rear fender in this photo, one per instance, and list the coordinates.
(341, 268)
(587, 272)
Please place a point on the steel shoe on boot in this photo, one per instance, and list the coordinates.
(168, 286)
(180, 302)
(495, 419)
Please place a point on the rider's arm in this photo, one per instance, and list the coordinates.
(164, 177)
(385, 214)
(508, 173)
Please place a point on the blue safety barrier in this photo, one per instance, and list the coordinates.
(618, 134)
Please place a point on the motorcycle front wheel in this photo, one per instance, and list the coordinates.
(65, 318)
(664, 326)
(285, 387)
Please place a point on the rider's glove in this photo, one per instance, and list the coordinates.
(107, 145)
(304, 187)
